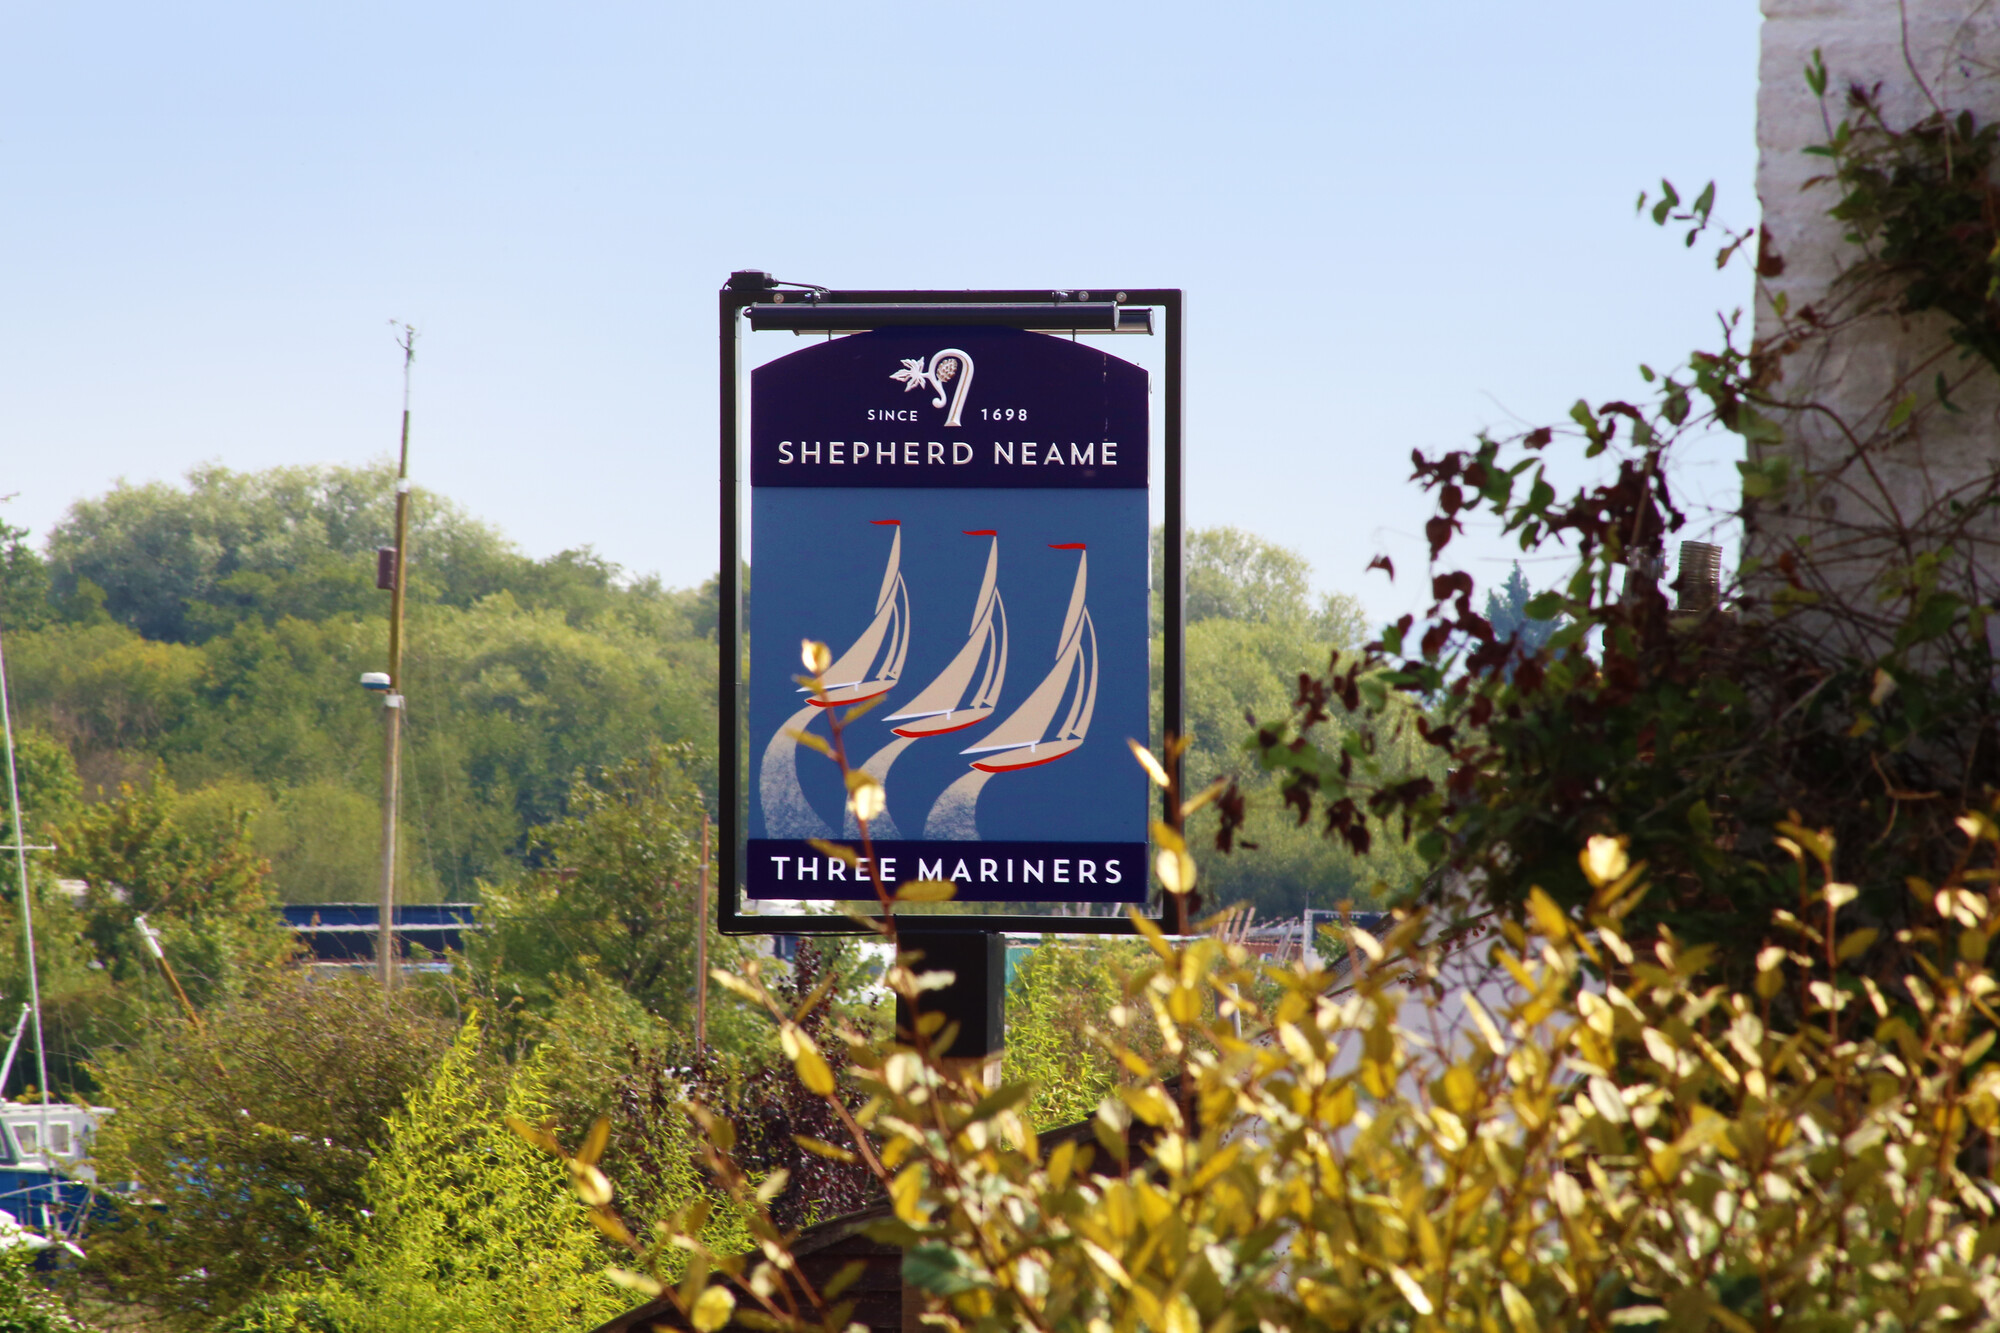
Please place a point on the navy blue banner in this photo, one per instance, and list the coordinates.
(949, 407)
(1029, 872)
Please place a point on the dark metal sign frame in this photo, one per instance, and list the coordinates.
(791, 306)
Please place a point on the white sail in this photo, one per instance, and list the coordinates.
(1025, 737)
(874, 662)
(945, 704)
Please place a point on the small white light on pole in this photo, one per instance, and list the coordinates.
(151, 936)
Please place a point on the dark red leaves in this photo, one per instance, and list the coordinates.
(1444, 586)
(1344, 819)
(1230, 806)
(1439, 531)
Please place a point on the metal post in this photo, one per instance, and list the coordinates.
(1173, 590)
(701, 948)
(392, 710)
(976, 999)
(385, 936)
(729, 606)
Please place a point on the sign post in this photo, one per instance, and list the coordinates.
(954, 497)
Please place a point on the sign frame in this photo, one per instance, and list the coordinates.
(1042, 311)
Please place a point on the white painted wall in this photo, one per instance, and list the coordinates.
(1923, 52)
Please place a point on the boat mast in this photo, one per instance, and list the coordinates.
(27, 899)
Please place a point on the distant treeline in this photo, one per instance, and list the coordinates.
(212, 635)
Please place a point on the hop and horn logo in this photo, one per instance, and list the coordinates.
(945, 367)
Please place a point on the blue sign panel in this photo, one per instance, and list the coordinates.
(960, 515)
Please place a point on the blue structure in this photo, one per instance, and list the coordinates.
(345, 932)
(44, 1184)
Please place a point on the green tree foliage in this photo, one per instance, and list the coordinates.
(187, 864)
(113, 697)
(51, 791)
(1057, 994)
(250, 1140)
(615, 897)
(24, 581)
(1231, 574)
(1253, 628)
(181, 564)
(468, 1228)
(26, 1303)
(241, 609)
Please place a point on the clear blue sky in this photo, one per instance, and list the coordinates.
(1396, 224)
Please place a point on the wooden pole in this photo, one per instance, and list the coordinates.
(701, 948)
(392, 711)
(152, 938)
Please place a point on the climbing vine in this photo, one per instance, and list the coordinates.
(1850, 674)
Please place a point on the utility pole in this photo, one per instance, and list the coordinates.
(701, 949)
(392, 705)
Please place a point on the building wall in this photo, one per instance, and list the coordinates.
(1923, 53)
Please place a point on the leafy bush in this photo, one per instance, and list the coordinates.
(248, 1138)
(1853, 673)
(1058, 993)
(466, 1228)
(26, 1303)
(1607, 1139)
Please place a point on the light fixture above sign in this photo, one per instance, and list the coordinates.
(810, 316)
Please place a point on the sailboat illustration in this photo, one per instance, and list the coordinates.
(1027, 738)
(874, 663)
(945, 704)
(963, 695)
(869, 667)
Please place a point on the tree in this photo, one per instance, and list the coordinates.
(1854, 674)
(1507, 609)
(1235, 575)
(777, 1117)
(250, 1139)
(614, 899)
(1055, 999)
(1252, 630)
(50, 787)
(106, 693)
(26, 1303)
(187, 864)
(24, 582)
(467, 1228)
(179, 564)
(506, 703)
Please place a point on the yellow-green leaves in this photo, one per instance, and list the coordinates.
(866, 797)
(712, 1309)
(1512, 1134)
(805, 1056)
(1172, 864)
(1146, 761)
(1604, 859)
